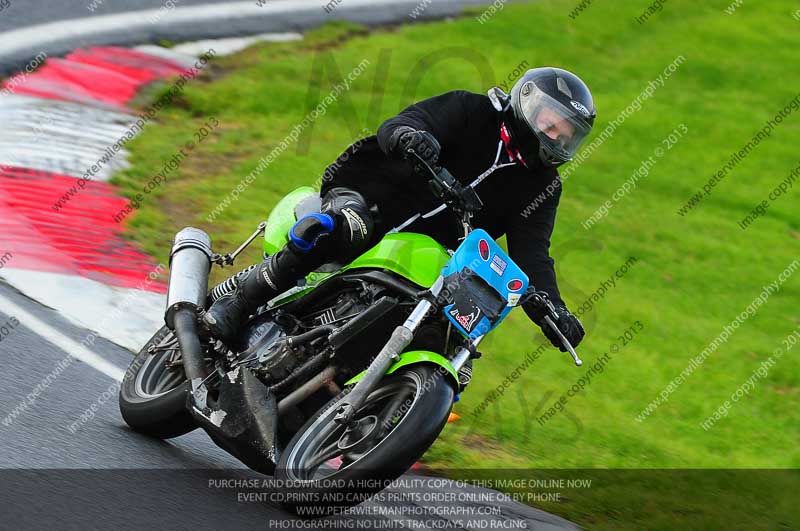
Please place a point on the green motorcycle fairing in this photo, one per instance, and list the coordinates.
(282, 218)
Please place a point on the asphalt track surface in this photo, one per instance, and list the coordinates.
(183, 23)
(28, 13)
(23, 13)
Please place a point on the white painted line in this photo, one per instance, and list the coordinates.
(56, 338)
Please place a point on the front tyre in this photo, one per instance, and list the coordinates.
(327, 467)
(152, 396)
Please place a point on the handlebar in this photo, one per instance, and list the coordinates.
(461, 199)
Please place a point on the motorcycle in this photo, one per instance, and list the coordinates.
(312, 392)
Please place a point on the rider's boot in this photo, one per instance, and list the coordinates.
(279, 272)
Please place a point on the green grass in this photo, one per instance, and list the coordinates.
(693, 276)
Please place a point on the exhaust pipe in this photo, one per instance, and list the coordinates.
(190, 263)
(243, 419)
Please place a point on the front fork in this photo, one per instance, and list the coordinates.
(463, 354)
(390, 353)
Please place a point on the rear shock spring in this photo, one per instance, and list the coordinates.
(227, 286)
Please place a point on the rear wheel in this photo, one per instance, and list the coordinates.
(152, 397)
(327, 467)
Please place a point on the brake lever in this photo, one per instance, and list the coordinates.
(540, 300)
(564, 341)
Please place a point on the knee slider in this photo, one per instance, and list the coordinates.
(308, 229)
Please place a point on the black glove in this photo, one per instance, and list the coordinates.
(569, 325)
(422, 143)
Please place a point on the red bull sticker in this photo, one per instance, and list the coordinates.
(467, 321)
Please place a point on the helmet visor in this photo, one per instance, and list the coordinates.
(560, 129)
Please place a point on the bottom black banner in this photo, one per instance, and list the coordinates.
(471, 499)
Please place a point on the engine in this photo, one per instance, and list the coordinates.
(266, 349)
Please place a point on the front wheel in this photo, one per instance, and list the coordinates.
(327, 467)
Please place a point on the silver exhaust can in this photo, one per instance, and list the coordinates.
(190, 263)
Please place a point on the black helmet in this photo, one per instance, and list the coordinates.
(550, 113)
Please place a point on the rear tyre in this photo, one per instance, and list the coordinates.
(152, 396)
(326, 467)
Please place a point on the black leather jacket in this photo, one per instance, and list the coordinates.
(466, 125)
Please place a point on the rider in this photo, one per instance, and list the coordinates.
(373, 187)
